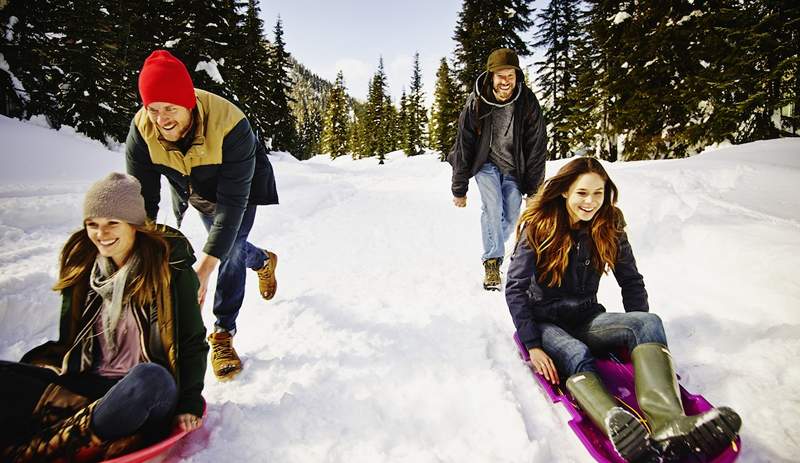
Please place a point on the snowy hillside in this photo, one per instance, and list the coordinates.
(382, 346)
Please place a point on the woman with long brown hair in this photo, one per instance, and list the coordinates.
(570, 236)
(131, 355)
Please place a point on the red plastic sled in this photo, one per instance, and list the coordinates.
(154, 450)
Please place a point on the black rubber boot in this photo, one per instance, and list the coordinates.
(679, 437)
(629, 436)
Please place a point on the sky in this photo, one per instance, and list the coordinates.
(351, 35)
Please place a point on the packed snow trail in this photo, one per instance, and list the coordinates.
(381, 344)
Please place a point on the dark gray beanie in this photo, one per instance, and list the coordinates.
(118, 196)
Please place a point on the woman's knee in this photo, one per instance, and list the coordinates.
(152, 379)
(649, 328)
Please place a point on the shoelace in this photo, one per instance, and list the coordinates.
(223, 351)
(265, 273)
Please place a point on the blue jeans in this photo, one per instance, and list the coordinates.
(232, 271)
(142, 401)
(500, 203)
(573, 351)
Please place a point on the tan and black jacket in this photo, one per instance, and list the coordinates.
(175, 339)
(224, 164)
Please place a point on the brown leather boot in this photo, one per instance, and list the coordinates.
(267, 284)
(56, 404)
(67, 439)
(224, 360)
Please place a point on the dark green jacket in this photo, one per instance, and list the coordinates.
(224, 164)
(175, 341)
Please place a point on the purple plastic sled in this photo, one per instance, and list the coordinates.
(618, 378)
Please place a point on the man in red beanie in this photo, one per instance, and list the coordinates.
(205, 147)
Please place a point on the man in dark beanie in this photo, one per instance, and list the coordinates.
(206, 149)
(502, 143)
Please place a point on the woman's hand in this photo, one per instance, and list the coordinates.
(544, 365)
(188, 422)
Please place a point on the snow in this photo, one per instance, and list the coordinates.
(620, 17)
(18, 88)
(210, 68)
(381, 345)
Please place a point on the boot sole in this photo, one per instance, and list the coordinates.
(630, 438)
(707, 440)
(228, 375)
(491, 288)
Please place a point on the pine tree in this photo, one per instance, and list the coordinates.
(416, 115)
(32, 49)
(485, 26)
(444, 114)
(376, 135)
(334, 135)
(250, 74)
(283, 123)
(138, 29)
(207, 35)
(87, 61)
(403, 118)
(750, 80)
(558, 34)
(357, 133)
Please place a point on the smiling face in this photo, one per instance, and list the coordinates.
(173, 121)
(503, 83)
(584, 197)
(114, 238)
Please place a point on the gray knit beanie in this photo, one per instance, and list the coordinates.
(118, 196)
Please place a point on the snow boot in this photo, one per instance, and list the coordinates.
(70, 439)
(224, 360)
(626, 432)
(267, 284)
(491, 280)
(680, 437)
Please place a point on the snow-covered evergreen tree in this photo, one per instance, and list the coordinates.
(485, 26)
(250, 74)
(444, 113)
(335, 131)
(558, 34)
(416, 117)
(377, 128)
(283, 132)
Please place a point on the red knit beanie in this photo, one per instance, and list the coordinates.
(164, 78)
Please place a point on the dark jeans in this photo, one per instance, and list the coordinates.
(573, 351)
(141, 401)
(232, 271)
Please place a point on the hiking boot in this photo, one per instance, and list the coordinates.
(224, 361)
(267, 284)
(66, 439)
(491, 281)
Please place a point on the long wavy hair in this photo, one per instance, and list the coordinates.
(546, 224)
(150, 285)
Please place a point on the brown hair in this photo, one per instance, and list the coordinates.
(151, 284)
(546, 225)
